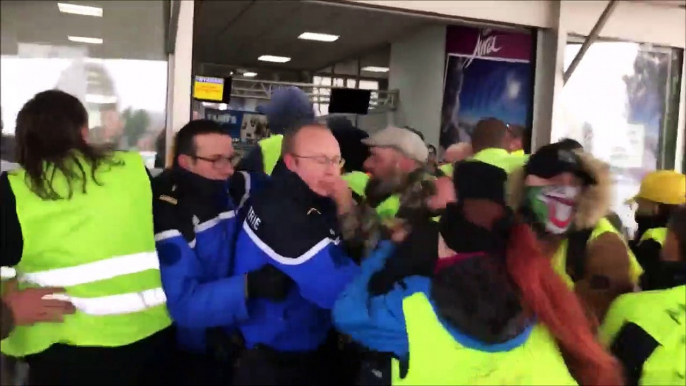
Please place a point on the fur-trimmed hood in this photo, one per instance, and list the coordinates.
(594, 201)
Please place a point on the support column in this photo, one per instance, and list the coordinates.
(417, 69)
(681, 125)
(548, 81)
(180, 73)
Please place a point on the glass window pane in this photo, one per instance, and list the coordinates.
(119, 71)
(614, 104)
(369, 85)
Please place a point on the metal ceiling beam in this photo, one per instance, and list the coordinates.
(591, 38)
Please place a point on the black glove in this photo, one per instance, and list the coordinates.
(268, 283)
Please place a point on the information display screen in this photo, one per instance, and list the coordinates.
(209, 89)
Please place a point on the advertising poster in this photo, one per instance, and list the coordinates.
(245, 127)
(488, 73)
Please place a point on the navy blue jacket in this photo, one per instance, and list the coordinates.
(296, 231)
(196, 224)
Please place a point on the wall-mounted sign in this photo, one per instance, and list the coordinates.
(209, 89)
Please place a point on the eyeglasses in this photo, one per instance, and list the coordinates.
(219, 162)
(323, 160)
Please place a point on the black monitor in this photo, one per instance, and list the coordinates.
(349, 101)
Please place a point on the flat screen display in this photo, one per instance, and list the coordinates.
(349, 101)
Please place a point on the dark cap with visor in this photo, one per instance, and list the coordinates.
(555, 159)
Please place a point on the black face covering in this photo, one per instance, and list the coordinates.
(463, 236)
(646, 222)
(664, 275)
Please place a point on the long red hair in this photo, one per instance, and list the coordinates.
(548, 298)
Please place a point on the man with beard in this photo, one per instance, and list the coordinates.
(394, 154)
(393, 188)
(565, 194)
(660, 194)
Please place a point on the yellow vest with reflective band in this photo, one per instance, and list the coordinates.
(560, 258)
(357, 181)
(662, 314)
(100, 247)
(271, 152)
(657, 234)
(447, 169)
(436, 358)
(500, 158)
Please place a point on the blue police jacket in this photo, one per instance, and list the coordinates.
(196, 225)
(296, 231)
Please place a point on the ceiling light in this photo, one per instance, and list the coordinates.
(79, 39)
(275, 59)
(375, 69)
(249, 74)
(80, 9)
(318, 37)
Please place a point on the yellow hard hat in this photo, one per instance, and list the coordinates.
(663, 187)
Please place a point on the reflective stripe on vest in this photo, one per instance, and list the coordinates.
(657, 234)
(103, 270)
(271, 152)
(559, 260)
(437, 358)
(100, 247)
(661, 314)
(95, 271)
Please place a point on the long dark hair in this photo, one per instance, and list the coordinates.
(50, 141)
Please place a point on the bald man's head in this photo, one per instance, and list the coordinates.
(312, 152)
(489, 133)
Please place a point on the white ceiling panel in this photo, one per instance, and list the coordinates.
(238, 32)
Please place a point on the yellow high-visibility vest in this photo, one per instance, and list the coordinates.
(271, 152)
(436, 358)
(657, 234)
(661, 314)
(559, 260)
(100, 247)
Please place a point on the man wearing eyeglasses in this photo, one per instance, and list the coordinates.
(197, 211)
(292, 225)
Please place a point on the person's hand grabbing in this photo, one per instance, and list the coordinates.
(445, 193)
(268, 283)
(340, 192)
(34, 305)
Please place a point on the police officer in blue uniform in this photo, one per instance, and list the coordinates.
(198, 207)
(292, 225)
